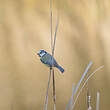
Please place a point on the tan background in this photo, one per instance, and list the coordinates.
(83, 35)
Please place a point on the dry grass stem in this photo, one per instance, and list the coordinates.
(85, 84)
(51, 69)
(56, 28)
(47, 93)
(98, 100)
(51, 24)
(78, 85)
(54, 96)
(84, 74)
(89, 102)
(72, 97)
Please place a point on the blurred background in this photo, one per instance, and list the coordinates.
(83, 36)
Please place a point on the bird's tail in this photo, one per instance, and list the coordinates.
(60, 68)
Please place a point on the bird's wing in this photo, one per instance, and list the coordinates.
(47, 59)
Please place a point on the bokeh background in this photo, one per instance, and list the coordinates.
(83, 36)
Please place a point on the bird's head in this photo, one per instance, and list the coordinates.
(41, 53)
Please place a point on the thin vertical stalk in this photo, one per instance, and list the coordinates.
(54, 96)
(47, 93)
(89, 102)
(53, 85)
(53, 49)
(98, 99)
(88, 96)
(55, 34)
(51, 24)
(72, 97)
(51, 30)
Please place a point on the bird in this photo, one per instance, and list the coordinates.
(47, 59)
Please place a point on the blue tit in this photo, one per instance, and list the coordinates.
(47, 59)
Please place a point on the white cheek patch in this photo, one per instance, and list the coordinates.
(39, 51)
(42, 54)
